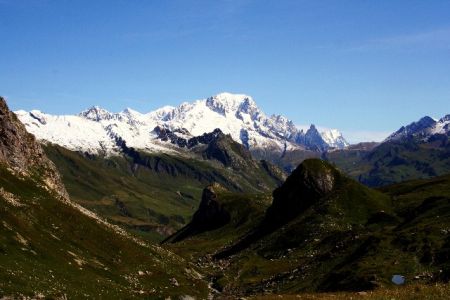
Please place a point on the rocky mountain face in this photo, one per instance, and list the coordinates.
(314, 187)
(20, 152)
(54, 248)
(314, 140)
(423, 129)
(312, 180)
(325, 232)
(182, 138)
(210, 215)
(213, 145)
(96, 130)
(317, 221)
(134, 183)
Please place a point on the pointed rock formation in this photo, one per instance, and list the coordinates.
(20, 152)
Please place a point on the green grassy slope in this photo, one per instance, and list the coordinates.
(50, 249)
(150, 202)
(424, 206)
(351, 239)
(150, 194)
(246, 211)
(394, 162)
(397, 162)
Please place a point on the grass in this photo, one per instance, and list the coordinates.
(354, 239)
(394, 162)
(50, 249)
(153, 195)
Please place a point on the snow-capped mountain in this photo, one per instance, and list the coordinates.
(97, 131)
(422, 129)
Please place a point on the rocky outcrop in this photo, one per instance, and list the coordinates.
(310, 183)
(20, 152)
(229, 153)
(312, 180)
(179, 137)
(210, 215)
(166, 135)
(313, 140)
(217, 146)
(313, 200)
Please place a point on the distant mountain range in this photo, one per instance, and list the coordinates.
(422, 129)
(52, 247)
(97, 131)
(418, 150)
(319, 231)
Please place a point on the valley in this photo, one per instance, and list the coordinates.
(207, 216)
(227, 149)
(329, 244)
(52, 247)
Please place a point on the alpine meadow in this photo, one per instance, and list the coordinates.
(230, 149)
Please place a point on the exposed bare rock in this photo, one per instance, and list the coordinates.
(312, 180)
(20, 152)
(210, 215)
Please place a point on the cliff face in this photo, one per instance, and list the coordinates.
(310, 182)
(20, 153)
(210, 215)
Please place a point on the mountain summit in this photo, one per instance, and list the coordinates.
(96, 130)
(422, 129)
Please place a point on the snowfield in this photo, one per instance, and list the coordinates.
(97, 130)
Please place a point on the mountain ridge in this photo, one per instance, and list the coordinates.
(418, 150)
(422, 129)
(20, 153)
(54, 248)
(94, 130)
(321, 231)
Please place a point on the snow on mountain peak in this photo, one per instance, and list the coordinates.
(313, 128)
(164, 113)
(334, 138)
(226, 103)
(423, 129)
(96, 113)
(313, 139)
(234, 114)
(445, 119)
(131, 112)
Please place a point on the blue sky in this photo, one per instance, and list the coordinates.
(364, 67)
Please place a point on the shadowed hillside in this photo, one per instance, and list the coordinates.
(324, 232)
(53, 248)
